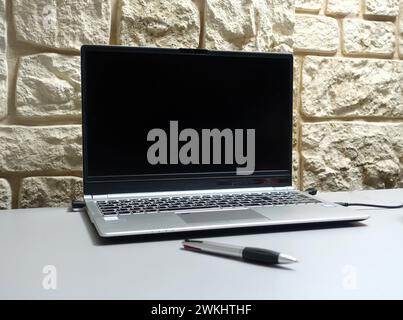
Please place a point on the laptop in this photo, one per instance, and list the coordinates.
(178, 140)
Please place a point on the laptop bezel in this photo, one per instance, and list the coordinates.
(100, 186)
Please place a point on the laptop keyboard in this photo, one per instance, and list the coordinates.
(218, 201)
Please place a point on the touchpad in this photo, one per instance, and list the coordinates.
(229, 216)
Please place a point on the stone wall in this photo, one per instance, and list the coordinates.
(348, 82)
(350, 97)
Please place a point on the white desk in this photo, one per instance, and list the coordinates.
(361, 261)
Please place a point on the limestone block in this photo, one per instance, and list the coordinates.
(49, 191)
(3, 62)
(5, 194)
(27, 149)
(295, 169)
(375, 38)
(343, 7)
(3, 31)
(3, 86)
(250, 25)
(401, 30)
(62, 24)
(383, 8)
(316, 34)
(48, 86)
(160, 23)
(352, 155)
(345, 87)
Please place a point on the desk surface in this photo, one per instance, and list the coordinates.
(351, 262)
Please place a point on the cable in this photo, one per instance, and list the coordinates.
(346, 204)
(77, 205)
(313, 192)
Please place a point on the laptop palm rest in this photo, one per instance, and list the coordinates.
(228, 216)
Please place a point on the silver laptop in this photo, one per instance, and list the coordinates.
(179, 140)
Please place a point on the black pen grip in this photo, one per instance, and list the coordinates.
(260, 255)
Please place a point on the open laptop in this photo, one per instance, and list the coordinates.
(181, 139)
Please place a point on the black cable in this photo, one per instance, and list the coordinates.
(77, 205)
(313, 192)
(346, 204)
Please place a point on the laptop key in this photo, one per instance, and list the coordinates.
(108, 213)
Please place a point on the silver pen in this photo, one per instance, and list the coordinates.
(245, 253)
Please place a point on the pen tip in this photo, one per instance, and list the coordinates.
(285, 258)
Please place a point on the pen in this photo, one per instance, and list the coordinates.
(246, 253)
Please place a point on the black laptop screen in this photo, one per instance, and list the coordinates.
(156, 114)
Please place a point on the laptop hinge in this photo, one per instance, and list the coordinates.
(96, 197)
(283, 188)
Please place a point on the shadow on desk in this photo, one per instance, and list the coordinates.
(97, 240)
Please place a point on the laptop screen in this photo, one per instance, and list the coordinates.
(164, 114)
